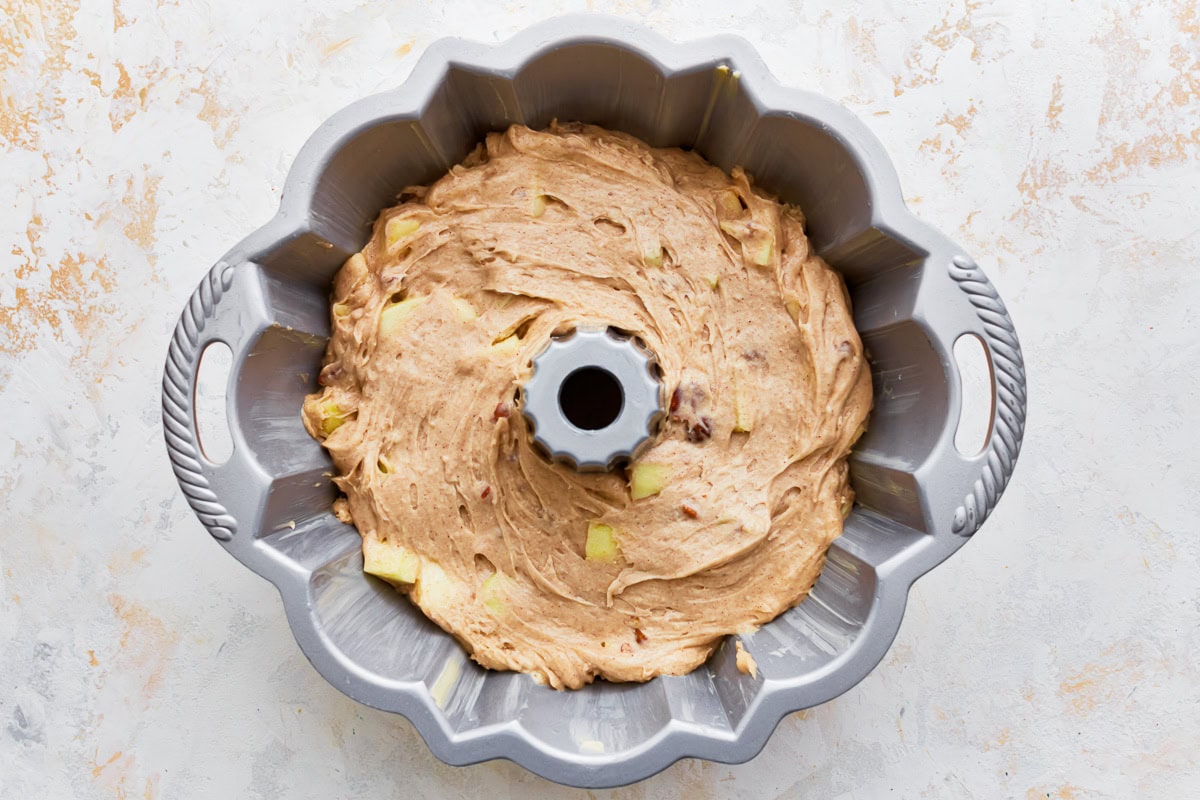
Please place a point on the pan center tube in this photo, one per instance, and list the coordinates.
(594, 399)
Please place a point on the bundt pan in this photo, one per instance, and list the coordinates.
(914, 292)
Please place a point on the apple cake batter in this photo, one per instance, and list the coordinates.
(721, 524)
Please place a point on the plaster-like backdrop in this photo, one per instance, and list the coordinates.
(1052, 658)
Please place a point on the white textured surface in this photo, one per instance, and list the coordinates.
(1052, 657)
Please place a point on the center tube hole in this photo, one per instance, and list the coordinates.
(591, 398)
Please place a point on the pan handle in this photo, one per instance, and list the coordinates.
(221, 309)
(981, 478)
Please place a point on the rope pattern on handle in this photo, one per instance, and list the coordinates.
(1009, 370)
(182, 361)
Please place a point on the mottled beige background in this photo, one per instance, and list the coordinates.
(1054, 657)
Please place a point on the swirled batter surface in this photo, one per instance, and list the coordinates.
(723, 522)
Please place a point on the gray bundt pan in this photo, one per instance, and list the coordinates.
(915, 292)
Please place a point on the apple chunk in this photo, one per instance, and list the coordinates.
(394, 315)
(601, 542)
(492, 593)
(390, 561)
(398, 228)
(743, 407)
(647, 479)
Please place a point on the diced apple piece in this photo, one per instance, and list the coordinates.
(537, 204)
(647, 479)
(492, 592)
(341, 309)
(464, 309)
(734, 228)
(390, 561)
(758, 242)
(399, 228)
(796, 308)
(394, 315)
(743, 408)
(332, 417)
(729, 204)
(653, 256)
(601, 542)
(507, 347)
(433, 588)
(713, 281)
(760, 248)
